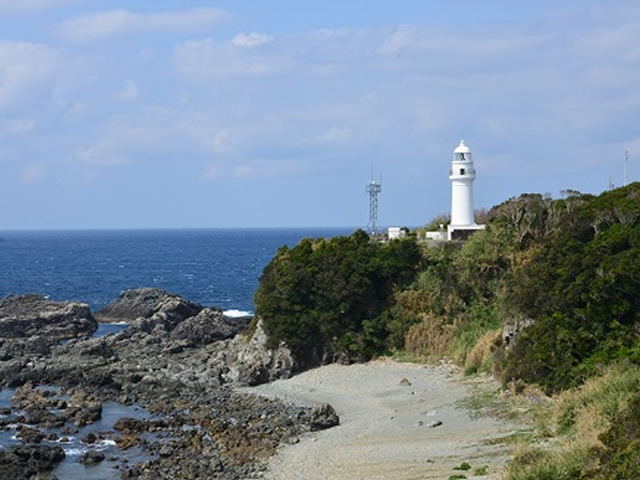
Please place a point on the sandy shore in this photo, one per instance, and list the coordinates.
(387, 430)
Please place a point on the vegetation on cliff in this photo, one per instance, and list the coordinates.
(331, 299)
(559, 276)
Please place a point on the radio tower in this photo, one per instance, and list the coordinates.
(626, 160)
(373, 188)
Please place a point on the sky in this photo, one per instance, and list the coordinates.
(254, 113)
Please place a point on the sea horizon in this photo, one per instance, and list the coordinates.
(217, 266)
(160, 229)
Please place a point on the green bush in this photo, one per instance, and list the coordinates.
(330, 299)
(621, 458)
(579, 285)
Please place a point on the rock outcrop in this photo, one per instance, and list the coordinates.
(23, 316)
(323, 417)
(92, 457)
(29, 461)
(250, 362)
(145, 303)
(208, 326)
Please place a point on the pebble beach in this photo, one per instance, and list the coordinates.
(398, 421)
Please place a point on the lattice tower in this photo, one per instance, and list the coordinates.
(373, 189)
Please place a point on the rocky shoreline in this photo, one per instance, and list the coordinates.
(179, 360)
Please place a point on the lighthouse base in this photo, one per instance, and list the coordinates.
(462, 232)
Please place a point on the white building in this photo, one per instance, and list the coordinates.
(462, 175)
(395, 233)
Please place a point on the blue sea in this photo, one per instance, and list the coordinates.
(217, 267)
(213, 267)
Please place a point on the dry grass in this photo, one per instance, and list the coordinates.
(578, 418)
(430, 338)
(481, 355)
(603, 396)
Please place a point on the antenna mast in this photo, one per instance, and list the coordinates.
(373, 188)
(626, 160)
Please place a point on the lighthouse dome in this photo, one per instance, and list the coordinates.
(462, 148)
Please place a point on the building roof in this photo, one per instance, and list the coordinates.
(462, 148)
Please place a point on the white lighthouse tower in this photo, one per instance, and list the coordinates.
(462, 175)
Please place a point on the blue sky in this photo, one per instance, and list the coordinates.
(259, 113)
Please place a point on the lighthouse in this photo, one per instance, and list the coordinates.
(462, 175)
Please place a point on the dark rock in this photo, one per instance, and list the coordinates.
(67, 430)
(17, 347)
(29, 461)
(129, 425)
(92, 457)
(24, 316)
(30, 435)
(147, 302)
(166, 451)
(177, 346)
(84, 409)
(45, 418)
(208, 326)
(96, 347)
(126, 441)
(323, 417)
(435, 423)
(405, 382)
(36, 403)
(90, 438)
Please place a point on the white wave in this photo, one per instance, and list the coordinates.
(75, 451)
(114, 323)
(233, 313)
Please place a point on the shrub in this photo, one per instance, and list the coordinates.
(532, 463)
(621, 458)
(330, 299)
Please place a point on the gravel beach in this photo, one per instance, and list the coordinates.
(398, 421)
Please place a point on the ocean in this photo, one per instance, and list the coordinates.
(213, 267)
(216, 267)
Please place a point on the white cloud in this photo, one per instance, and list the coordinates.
(101, 153)
(220, 141)
(253, 39)
(207, 58)
(328, 102)
(129, 93)
(26, 69)
(123, 22)
(32, 173)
